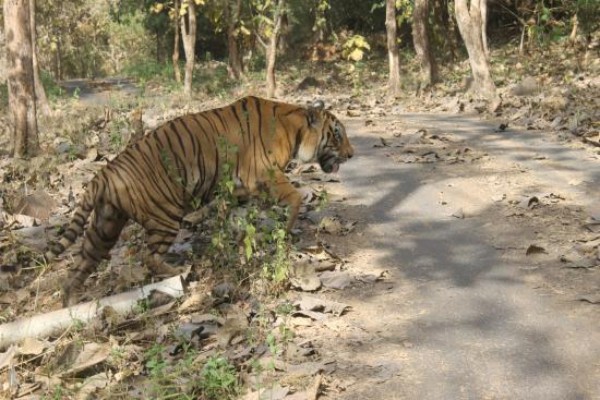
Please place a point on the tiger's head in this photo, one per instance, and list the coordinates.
(326, 141)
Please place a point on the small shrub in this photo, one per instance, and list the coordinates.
(219, 379)
(53, 90)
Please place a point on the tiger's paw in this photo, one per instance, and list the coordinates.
(160, 268)
(67, 296)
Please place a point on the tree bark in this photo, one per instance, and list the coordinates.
(391, 27)
(235, 67)
(40, 93)
(484, 20)
(175, 56)
(470, 26)
(272, 48)
(20, 80)
(282, 40)
(188, 31)
(319, 27)
(420, 33)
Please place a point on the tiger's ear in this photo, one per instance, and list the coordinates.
(318, 104)
(314, 112)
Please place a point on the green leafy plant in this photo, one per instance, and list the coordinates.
(355, 47)
(53, 90)
(57, 393)
(219, 379)
(166, 377)
(155, 363)
(250, 239)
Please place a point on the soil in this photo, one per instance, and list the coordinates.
(477, 230)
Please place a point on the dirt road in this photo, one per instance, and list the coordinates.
(486, 297)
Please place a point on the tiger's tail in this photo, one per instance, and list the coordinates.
(80, 216)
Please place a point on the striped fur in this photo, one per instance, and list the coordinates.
(156, 180)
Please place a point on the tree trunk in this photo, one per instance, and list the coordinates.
(272, 48)
(58, 72)
(188, 31)
(484, 20)
(470, 26)
(573, 35)
(157, 47)
(175, 57)
(21, 89)
(282, 41)
(40, 93)
(420, 33)
(320, 24)
(235, 68)
(392, 45)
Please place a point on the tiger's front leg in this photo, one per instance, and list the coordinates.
(282, 189)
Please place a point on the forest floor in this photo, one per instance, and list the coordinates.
(466, 248)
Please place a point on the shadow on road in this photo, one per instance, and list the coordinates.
(462, 319)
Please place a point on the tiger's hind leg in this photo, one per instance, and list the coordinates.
(160, 237)
(100, 236)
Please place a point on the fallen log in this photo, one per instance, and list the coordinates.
(54, 322)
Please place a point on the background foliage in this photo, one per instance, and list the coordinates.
(88, 39)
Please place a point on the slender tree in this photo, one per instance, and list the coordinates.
(175, 57)
(444, 26)
(470, 25)
(40, 93)
(320, 25)
(420, 31)
(20, 78)
(484, 20)
(232, 15)
(278, 11)
(188, 31)
(391, 27)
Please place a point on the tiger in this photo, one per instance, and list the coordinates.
(175, 168)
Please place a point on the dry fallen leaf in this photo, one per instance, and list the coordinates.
(7, 357)
(31, 346)
(593, 298)
(91, 385)
(310, 303)
(533, 249)
(91, 354)
(306, 283)
(335, 279)
(37, 205)
(331, 225)
(530, 202)
(460, 214)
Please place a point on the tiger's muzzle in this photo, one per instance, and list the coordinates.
(331, 163)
